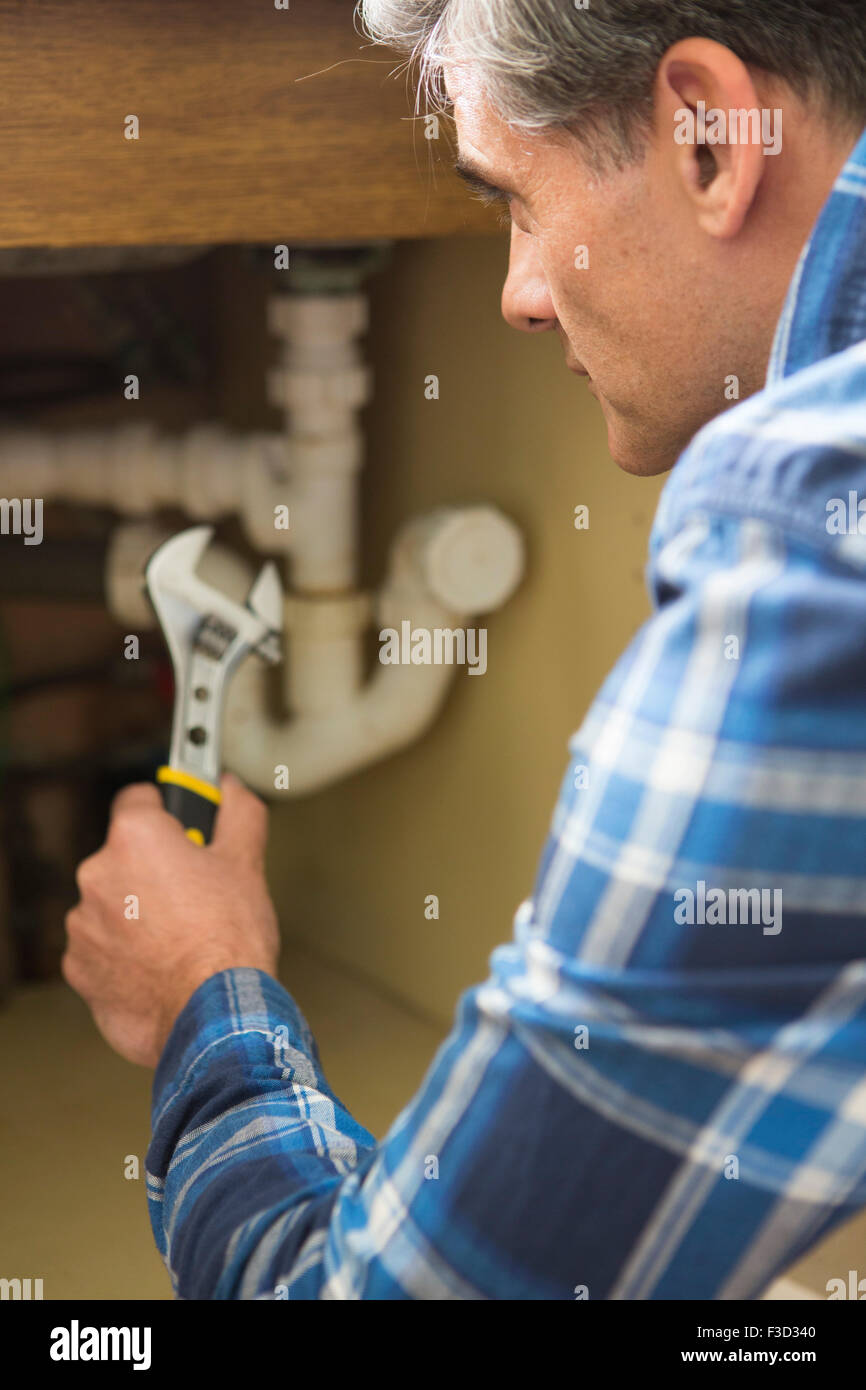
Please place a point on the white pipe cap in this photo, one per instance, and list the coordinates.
(473, 558)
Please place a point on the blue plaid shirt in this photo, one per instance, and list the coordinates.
(660, 1090)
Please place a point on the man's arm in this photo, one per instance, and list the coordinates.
(652, 1096)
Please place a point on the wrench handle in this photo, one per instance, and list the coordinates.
(191, 801)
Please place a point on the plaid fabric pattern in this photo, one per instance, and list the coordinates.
(660, 1090)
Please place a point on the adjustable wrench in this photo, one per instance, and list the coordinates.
(208, 635)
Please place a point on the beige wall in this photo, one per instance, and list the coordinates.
(463, 813)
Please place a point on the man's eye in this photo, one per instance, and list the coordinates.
(501, 202)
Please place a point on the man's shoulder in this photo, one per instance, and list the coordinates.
(793, 455)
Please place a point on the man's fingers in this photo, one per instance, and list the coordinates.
(241, 823)
(137, 815)
(137, 796)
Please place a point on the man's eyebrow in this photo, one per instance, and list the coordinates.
(478, 182)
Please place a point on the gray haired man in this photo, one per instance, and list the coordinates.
(639, 1102)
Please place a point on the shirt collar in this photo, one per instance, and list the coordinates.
(825, 310)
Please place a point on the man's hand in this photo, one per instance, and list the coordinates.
(159, 915)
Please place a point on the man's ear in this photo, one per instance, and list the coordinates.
(698, 85)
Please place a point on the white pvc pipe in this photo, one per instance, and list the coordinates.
(443, 566)
(335, 726)
(208, 473)
(324, 657)
(397, 704)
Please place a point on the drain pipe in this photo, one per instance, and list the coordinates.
(443, 568)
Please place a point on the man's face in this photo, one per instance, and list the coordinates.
(654, 313)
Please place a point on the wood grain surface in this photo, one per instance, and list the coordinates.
(256, 125)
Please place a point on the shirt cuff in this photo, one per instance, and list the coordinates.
(229, 1003)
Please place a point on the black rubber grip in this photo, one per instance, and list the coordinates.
(195, 813)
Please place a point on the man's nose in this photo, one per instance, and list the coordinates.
(526, 301)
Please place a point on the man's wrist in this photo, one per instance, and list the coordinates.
(181, 995)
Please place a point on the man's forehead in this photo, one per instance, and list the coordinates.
(485, 141)
(472, 110)
(459, 80)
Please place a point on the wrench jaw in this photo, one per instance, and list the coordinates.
(265, 601)
(208, 635)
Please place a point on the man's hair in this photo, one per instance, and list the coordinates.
(548, 63)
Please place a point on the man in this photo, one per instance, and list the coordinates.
(660, 1091)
